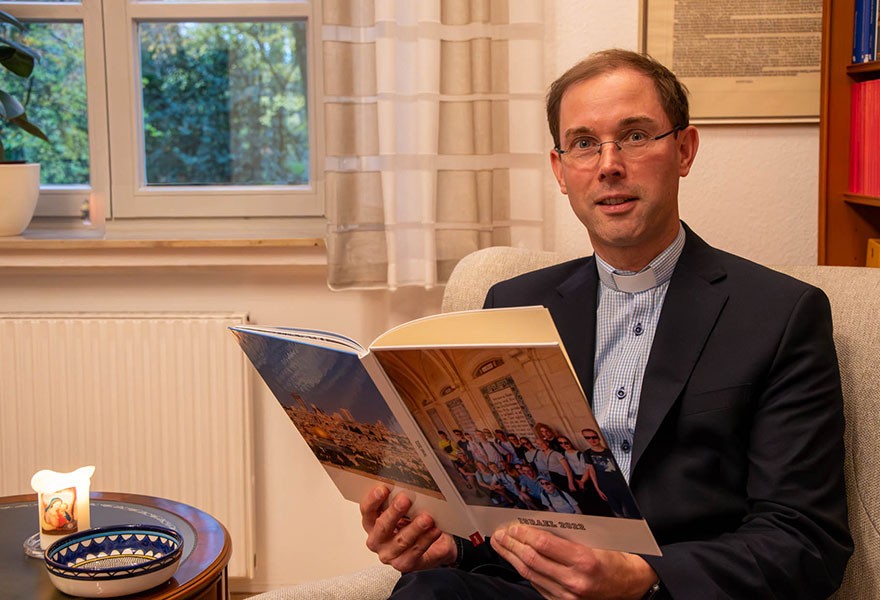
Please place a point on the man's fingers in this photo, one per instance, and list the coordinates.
(415, 540)
(405, 548)
(548, 545)
(371, 506)
(548, 560)
(405, 544)
(527, 563)
(386, 523)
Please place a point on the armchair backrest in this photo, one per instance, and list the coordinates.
(480, 270)
(854, 293)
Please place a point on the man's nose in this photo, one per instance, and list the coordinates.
(610, 160)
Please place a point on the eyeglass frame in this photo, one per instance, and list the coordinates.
(674, 132)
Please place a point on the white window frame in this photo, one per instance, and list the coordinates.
(117, 164)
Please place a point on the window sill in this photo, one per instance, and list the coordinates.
(57, 243)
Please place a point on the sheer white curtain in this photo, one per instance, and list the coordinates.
(434, 130)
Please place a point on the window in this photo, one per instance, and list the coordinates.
(173, 108)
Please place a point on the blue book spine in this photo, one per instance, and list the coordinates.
(858, 29)
(870, 43)
(876, 30)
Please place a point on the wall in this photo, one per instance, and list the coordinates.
(752, 191)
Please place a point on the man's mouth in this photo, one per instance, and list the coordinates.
(615, 200)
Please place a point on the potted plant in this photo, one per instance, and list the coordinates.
(19, 181)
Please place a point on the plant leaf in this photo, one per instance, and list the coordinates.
(7, 18)
(32, 129)
(21, 47)
(20, 60)
(12, 108)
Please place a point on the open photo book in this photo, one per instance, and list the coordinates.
(476, 416)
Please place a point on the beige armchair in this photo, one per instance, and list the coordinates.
(855, 303)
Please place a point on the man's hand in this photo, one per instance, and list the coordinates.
(405, 545)
(563, 570)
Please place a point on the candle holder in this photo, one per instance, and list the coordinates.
(32, 546)
(62, 504)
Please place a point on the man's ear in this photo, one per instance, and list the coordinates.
(556, 165)
(688, 142)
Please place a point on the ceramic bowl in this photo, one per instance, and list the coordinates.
(114, 561)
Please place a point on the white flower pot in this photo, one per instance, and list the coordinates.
(19, 191)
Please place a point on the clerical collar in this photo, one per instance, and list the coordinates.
(657, 272)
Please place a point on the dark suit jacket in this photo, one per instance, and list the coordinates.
(738, 453)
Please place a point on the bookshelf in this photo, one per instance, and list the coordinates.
(846, 221)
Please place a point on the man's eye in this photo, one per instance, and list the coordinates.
(583, 144)
(636, 136)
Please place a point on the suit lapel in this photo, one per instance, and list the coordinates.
(691, 308)
(573, 303)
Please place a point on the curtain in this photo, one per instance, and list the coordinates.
(433, 135)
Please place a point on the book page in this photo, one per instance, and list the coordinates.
(330, 398)
(316, 337)
(512, 428)
(518, 325)
(515, 326)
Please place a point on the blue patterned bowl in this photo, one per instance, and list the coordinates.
(114, 561)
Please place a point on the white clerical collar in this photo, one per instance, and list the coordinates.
(630, 283)
(657, 272)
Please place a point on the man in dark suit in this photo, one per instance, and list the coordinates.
(715, 381)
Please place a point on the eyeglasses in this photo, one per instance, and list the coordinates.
(591, 437)
(585, 151)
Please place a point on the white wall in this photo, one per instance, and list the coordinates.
(752, 191)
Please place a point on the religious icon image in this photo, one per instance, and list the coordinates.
(58, 511)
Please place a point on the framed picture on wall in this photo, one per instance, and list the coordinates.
(741, 61)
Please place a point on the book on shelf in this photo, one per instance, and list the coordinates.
(865, 31)
(857, 31)
(864, 141)
(873, 256)
(476, 416)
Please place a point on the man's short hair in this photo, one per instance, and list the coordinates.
(672, 93)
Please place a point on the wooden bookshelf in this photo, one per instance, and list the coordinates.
(846, 221)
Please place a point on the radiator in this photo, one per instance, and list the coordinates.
(159, 403)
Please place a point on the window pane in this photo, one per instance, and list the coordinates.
(57, 105)
(225, 103)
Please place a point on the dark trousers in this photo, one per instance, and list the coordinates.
(456, 584)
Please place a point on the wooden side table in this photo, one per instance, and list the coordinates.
(202, 571)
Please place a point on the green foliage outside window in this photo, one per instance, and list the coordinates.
(225, 103)
(57, 93)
